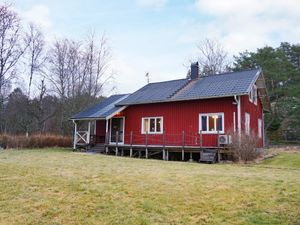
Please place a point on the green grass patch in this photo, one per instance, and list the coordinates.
(63, 187)
(287, 160)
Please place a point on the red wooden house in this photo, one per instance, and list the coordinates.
(186, 114)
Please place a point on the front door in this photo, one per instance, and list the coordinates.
(117, 125)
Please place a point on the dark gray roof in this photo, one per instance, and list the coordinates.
(227, 84)
(154, 92)
(219, 85)
(101, 110)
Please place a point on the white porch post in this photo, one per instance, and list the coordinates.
(89, 133)
(75, 135)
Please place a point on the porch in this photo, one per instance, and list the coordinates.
(109, 137)
(98, 132)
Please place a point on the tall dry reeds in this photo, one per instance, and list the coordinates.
(34, 141)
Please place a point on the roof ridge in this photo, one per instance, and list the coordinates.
(166, 81)
(226, 73)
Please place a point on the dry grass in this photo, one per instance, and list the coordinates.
(62, 187)
(34, 141)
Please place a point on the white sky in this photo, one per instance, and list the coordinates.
(159, 36)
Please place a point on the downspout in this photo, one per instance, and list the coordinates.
(238, 102)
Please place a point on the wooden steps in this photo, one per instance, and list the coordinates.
(98, 148)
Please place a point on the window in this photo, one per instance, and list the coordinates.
(259, 125)
(253, 94)
(211, 122)
(247, 123)
(152, 125)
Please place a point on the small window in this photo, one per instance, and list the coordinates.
(253, 94)
(145, 125)
(247, 123)
(152, 125)
(211, 123)
(259, 126)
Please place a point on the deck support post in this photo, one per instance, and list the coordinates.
(182, 150)
(130, 154)
(191, 157)
(146, 150)
(117, 139)
(167, 155)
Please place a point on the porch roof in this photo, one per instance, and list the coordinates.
(103, 109)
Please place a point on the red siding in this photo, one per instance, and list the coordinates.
(100, 127)
(178, 116)
(256, 112)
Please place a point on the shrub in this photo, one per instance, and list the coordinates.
(34, 141)
(245, 150)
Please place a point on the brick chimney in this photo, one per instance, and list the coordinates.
(194, 70)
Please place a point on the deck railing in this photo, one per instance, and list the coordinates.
(82, 137)
(183, 139)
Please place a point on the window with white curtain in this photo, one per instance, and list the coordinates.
(211, 123)
(152, 125)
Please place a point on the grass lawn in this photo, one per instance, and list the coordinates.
(61, 187)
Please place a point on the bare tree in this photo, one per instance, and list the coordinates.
(97, 56)
(57, 72)
(35, 52)
(74, 67)
(11, 46)
(11, 50)
(212, 57)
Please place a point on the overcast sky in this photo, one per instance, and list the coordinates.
(159, 36)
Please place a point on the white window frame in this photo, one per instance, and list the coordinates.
(110, 132)
(207, 123)
(253, 94)
(259, 127)
(155, 128)
(247, 123)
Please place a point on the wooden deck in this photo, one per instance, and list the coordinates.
(187, 153)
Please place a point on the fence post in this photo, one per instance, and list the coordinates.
(201, 139)
(117, 139)
(106, 142)
(164, 143)
(130, 154)
(146, 145)
(182, 150)
(201, 143)
(218, 151)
